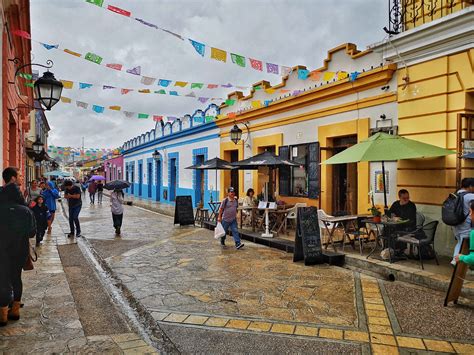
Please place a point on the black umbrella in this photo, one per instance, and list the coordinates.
(263, 159)
(117, 185)
(212, 164)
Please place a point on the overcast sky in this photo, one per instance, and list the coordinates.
(286, 32)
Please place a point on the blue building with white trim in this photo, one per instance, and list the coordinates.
(187, 141)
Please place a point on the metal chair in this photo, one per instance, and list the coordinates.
(360, 233)
(429, 231)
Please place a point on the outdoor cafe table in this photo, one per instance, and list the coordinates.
(214, 206)
(279, 223)
(253, 215)
(335, 221)
(385, 230)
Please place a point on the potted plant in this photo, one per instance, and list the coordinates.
(374, 210)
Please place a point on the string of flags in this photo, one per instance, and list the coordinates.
(94, 153)
(203, 49)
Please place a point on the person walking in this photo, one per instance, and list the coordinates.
(33, 191)
(41, 213)
(16, 226)
(50, 194)
(116, 207)
(92, 188)
(100, 192)
(463, 230)
(228, 217)
(73, 196)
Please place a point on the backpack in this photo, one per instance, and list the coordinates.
(15, 219)
(452, 212)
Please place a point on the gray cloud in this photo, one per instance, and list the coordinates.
(287, 32)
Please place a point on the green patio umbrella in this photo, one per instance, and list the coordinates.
(384, 147)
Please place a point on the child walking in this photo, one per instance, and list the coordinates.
(116, 207)
(41, 213)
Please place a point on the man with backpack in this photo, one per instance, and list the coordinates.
(462, 230)
(228, 217)
(17, 225)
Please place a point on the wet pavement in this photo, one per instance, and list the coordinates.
(195, 289)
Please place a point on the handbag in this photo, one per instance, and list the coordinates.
(32, 257)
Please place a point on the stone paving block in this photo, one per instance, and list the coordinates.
(159, 315)
(176, 318)
(216, 322)
(384, 350)
(132, 344)
(413, 343)
(373, 301)
(141, 350)
(196, 320)
(438, 345)
(356, 336)
(379, 321)
(238, 324)
(283, 328)
(463, 348)
(304, 330)
(260, 326)
(124, 337)
(330, 333)
(375, 307)
(382, 339)
(382, 329)
(376, 313)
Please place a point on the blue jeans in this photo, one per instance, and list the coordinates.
(233, 228)
(74, 219)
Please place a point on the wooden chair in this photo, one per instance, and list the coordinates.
(202, 214)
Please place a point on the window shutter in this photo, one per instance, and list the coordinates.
(284, 176)
(313, 170)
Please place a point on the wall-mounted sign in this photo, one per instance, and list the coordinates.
(379, 182)
(468, 146)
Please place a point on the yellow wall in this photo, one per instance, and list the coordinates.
(438, 91)
(359, 127)
(258, 145)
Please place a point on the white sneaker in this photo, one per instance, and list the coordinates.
(453, 263)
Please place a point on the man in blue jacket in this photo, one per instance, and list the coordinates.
(50, 194)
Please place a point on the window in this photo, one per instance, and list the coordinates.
(303, 180)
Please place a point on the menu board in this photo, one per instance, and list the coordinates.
(183, 210)
(308, 239)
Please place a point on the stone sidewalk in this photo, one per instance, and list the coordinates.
(50, 322)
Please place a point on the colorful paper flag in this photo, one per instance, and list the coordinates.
(341, 75)
(270, 91)
(157, 118)
(84, 85)
(25, 76)
(164, 82)
(197, 85)
(171, 118)
(94, 58)
(172, 33)
(68, 51)
(96, 2)
(49, 46)
(258, 87)
(272, 68)
(181, 83)
(229, 102)
(303, 74)
(203, 99)
(285, 70)
(191, 94)
(266, 103)
(125, 91)
(218, 54)
(284, 91)
(227, 85)
(114, 66)
(199, 47)
(353, 76)
(174, 93)
(128, 114)
(144, 91)
(256, 64)
(238, 59)
(256, 104)
(143, 115)
(30, 85)
(146, 80)
(115, 108)
(296, 92)
(21, 33)
(105, 87)
(98, 109)
(119, 11)
(81, 104)
(315, 75)
(146, 23)
(66, 100)
(135, 71)
(162, 92)
(328, 76)
(212, 86)
(67, 84)
(231, 115)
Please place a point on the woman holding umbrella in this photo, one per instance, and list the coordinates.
(116, 202)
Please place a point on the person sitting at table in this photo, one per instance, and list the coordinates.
(404, 209)
(249, 201)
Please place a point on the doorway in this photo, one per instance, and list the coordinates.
(199, 189)
(266, 175)
(150, 178)
(158, 180)
(140, 179)
(344, 188)
(234, 174)
(132, 178)
(173, 179)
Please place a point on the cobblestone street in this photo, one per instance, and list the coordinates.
(208, 298)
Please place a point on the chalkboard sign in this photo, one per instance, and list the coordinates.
(308, 239)
(183, 210)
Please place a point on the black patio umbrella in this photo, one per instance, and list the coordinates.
(263, 159)
(117, 185)
(212, 164)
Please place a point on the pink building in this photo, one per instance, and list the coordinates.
(113, 168)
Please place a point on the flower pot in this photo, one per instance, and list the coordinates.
(377, 219)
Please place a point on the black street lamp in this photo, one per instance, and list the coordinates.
(235, 134)
(38, 146)
(156, 155)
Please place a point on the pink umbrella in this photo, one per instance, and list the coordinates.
(97, 178)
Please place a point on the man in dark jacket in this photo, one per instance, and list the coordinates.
(17, 224)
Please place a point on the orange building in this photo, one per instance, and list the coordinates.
(15, 115)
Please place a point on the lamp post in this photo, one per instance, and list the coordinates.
(38, 149)
(156, 156)
(236, 133)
